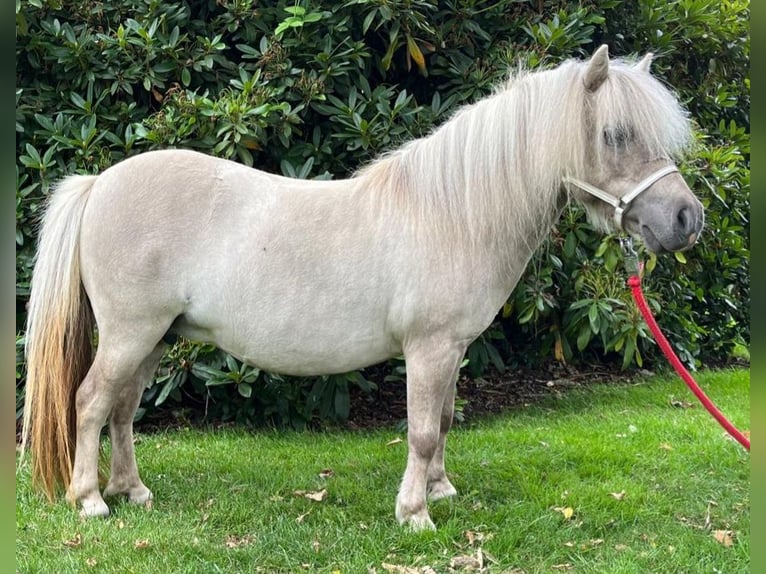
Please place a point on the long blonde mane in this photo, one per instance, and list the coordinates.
(491, 174)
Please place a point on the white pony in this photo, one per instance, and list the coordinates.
(414, 255)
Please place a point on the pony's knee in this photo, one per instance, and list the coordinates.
(423, 444)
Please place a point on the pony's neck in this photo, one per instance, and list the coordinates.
(488, 182)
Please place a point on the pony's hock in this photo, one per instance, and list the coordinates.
(318, 277)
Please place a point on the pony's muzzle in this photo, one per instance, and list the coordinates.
(688, 220)
(687, 225)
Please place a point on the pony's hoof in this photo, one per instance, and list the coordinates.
(417, 521)
(139, 495)
(94, 508)
(441, 489)
(420, 523)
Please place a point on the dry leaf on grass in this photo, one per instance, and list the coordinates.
(593, 542)
(393, 442)
(399, 569)
(91, 562)
(316, 496)
(568, 511)
(621, 547)
(141, 543)
(618, 495)
(326, 473)
(468, 562)
(725, 537)
(475, 537)
(74, 542)
(238, 541)
(562, 567)
(681, 404)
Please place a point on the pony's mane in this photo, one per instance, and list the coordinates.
(492, 173)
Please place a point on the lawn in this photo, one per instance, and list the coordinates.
(601, 479)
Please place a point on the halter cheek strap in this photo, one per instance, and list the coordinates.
(620, 204)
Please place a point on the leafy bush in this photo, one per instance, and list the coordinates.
(313, 89)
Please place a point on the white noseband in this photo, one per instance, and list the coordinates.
(620, 204)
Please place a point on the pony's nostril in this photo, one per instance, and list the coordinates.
(684, 220)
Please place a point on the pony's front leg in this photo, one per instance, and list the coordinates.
(431, 372)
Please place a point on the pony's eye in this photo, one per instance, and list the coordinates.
(618, 137)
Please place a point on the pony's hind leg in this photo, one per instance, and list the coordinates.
(431, 368)
(439, 486)
(124, 478)
(111, 375)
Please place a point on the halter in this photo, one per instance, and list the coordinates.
(620, 204)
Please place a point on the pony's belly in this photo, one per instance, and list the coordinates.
(310, 365)
(299, 352)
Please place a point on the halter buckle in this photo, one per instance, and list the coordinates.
(630, 256)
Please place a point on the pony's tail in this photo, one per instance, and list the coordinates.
(58, 339)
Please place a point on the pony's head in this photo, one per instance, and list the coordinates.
(635, 130)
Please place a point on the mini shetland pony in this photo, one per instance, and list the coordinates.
(413, 255)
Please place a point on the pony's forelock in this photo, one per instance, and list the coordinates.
(632, 98)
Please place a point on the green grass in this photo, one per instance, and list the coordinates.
(225, 502)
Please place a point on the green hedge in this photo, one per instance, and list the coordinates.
(316, 89)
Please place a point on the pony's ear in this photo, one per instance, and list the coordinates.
(598, 69)
(645, 62)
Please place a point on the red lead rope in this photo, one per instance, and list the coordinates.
(634, 282)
